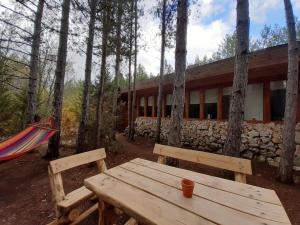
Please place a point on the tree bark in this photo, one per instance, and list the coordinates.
(34, 61)
(134, 73)
(285, 171)
(161, 72)
(174, 138)
(240, 80)
(53, 146)
(81, 139)
(117, 68)
(129, 74)
(99, 113)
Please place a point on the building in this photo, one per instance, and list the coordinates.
(208, 89)
(207, 99)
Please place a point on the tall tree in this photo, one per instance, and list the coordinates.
(134, 72)
(240, 80)
(34, 61)
(290, 113)
(117, 66)
(53, 146)
(129, 70)
(176, 123)
(81, 139)
(161, 72)
(105, 32)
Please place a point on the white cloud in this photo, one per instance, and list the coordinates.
(202, 38)
(258, 9)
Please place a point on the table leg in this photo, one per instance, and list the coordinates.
(101, 208)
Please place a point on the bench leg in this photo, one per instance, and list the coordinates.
(131, 221)
(101, 208)
(239, 177)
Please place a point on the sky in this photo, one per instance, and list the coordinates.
(209, 21)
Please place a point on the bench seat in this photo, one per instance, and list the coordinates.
(75, 197)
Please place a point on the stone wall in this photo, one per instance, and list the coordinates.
(260, 141)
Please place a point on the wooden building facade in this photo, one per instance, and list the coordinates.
(208, 90)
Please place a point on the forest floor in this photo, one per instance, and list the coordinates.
(25, 195)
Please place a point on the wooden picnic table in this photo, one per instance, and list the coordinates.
(151, 193)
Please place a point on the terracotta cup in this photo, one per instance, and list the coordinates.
(187, 188)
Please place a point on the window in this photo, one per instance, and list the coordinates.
(194, 107)
(254, 102)
(142, 104)
(149, 106)
(278, 90)
(211, 106)
(168, 105)
(226, 102)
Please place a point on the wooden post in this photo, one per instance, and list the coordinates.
(154, 106)
(202, 102)
(187, 104)
(267, 102)
(145, 105)
(219, 107)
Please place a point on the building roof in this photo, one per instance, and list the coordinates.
(269, 62)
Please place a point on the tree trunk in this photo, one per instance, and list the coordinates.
(290, 113)
(99, 114)
(81, 139)
(240, 80)
(174, 138)
(134, 73)
(161, 73)
(129, 74)
(53, 146)
(117, 68)
(34, 61)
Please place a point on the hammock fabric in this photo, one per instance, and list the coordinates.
(27, 140)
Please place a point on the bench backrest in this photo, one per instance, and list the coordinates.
(238, 165)
(69, 162)
(57, 166)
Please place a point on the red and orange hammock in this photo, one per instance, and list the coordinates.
(30, 138)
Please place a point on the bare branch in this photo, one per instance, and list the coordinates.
(21, 14)
(13, 25)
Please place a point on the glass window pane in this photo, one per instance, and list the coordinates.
(169, 99)
(142, 102)
(278, 90)
(150, 101)
(194, 97)
(254, 102)
(211, 96)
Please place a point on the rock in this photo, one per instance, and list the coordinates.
(253, 134)
(276, 140)
(248, 155)
(253, 142)
(261, 158)
(297, 136)
(265, 133)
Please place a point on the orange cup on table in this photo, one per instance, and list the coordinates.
(187, 188)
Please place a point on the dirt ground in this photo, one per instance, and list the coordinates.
(25, 195)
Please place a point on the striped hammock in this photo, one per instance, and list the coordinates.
(27, 140)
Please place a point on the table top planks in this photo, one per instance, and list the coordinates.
(151, 193)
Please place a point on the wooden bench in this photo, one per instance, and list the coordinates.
(65, 204)
(240, 167)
